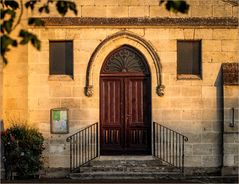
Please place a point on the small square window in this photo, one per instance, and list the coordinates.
(189, 59)
(61, 58)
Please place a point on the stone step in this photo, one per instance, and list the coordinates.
(126, 167)
(116, 163)
(161, 168)
(123, 175)
(126, 164)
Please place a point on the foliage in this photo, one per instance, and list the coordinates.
(9, 20)
(23, 147)
(175, 5)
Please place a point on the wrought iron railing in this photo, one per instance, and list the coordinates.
(169, 145)
(83, 146)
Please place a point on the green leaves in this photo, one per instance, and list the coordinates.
(35, 22)
(63, 6)
(3, 12)
(175, 5)
(8, 14)
(6, 26)
(13, 4)
(6, 41)
(9, 21)
(30, 4)
(29, 37)
(44, 8)
(72, 6)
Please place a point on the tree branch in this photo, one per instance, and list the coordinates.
(20, 16)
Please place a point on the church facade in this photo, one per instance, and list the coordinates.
(127, 64)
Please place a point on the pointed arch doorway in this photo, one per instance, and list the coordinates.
(125, 103)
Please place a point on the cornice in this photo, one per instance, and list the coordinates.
(141, 22)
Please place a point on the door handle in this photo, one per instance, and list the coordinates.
(128, 117)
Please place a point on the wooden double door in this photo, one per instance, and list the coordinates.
(125, 115)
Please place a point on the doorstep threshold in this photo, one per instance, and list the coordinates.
(126, 157)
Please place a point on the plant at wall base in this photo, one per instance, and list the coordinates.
(12, 11)
(23, 147)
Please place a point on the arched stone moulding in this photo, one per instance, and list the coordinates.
(111, 43)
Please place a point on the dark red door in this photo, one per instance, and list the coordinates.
(125, 104)
(125, 115)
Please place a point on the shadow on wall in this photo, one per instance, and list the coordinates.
(219, 87)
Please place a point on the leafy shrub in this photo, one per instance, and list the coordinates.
(23, 147)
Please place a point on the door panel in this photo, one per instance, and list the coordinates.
(111, 119)
(138, 114)
(125, 115)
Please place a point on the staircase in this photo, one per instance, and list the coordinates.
(124, 168)
(167, 160)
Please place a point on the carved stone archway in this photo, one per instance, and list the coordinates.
(124, 37)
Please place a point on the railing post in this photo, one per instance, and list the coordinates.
(159, 129)
(70, 154)
(154, 146)
(183, 160)
(97, 143)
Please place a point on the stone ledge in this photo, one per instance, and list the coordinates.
(171, 22)
(60, 78)
(188, 77)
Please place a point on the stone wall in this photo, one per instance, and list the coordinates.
(15, 81)
(15, 87)
(148, 8)
(192, 107)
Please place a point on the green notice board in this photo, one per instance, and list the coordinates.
(59, 121)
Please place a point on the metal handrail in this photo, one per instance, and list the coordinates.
(169, 145)
(83, 146)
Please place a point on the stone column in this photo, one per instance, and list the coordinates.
(231, 127)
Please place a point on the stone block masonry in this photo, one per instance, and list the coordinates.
(191, 107)
(147, 8)
(188, 106)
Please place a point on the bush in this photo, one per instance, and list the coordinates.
(23, 147)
